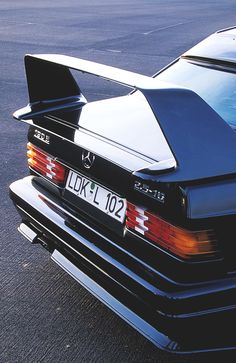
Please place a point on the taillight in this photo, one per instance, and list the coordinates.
(184, 243)
(45, 164)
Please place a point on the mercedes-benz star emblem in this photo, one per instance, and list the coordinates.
(87, 159)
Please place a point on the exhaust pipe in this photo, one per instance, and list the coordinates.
(35, 238)
(28, 233)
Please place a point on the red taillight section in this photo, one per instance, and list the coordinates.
(184, 243)
(45, 164)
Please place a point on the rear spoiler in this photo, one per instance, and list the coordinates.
(202, 143)
(52, 86)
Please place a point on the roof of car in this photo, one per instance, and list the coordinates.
(220, 46)
(231, 30)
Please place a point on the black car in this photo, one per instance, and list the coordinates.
(135, 196)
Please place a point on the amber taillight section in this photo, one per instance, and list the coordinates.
(45, 164)
(181, 242)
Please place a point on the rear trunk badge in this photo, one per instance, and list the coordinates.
(87, 159)
(42, 136)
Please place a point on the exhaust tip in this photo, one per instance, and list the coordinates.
(27, 232)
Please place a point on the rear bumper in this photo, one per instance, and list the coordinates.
(175, 317)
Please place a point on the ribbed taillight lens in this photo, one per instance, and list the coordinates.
(45, 164)
(184, 243)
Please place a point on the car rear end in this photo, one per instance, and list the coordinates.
(99, 199)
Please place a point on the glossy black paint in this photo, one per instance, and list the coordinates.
(218, 47)
(45, 81)
(196, 134)
(181, 316)
(179, 305)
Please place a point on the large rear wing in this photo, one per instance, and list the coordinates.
(52, 87)
(201, 142)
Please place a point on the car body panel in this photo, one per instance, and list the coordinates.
(169, 155)
(177, 317)
(219, 47)
(100, 117)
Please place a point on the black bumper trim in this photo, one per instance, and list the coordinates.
(157, 338)
(167, 331)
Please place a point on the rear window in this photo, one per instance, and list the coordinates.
(216, 87)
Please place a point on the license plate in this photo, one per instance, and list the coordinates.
(100, 197)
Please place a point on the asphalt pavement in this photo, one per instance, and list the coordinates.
(45, 316)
